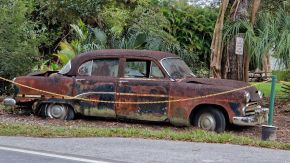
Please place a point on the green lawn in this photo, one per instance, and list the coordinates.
(192, 135)
(266, 89)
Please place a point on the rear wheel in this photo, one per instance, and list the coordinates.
(210, 119)
(59, 111)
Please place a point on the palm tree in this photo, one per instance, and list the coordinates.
(87, 39)
(265, 31)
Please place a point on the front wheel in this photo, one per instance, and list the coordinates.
(210, 119)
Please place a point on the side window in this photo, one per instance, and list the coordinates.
(105, 67)
(86, 68)
(155, 71)
(142, 69)
(137, 68)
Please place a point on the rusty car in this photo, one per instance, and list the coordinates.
(139, 85)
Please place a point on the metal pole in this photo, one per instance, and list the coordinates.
(272, 100)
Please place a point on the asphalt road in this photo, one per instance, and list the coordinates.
(100, 150)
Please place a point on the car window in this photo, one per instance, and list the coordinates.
(105, 67)
(142, 69)
(66, 68)
(86, 68)
(176, 68)
(137, 68)
(155, 71)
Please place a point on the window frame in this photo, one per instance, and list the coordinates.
(124, 60)
(92, 62)
(80, 65)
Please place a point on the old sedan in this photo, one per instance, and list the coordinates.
(141, 85)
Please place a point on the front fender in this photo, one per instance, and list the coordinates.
(187, 96)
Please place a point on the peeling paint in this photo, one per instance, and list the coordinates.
(122, 89)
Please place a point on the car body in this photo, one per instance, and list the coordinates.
(141, 85)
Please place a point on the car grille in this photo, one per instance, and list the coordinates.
(250, 109)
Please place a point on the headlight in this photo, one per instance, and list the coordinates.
(260, 93)
(247, 96)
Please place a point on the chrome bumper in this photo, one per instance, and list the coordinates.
(8, 101)
(260, 117)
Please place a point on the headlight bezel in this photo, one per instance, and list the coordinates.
(247, 96)
(260, 93)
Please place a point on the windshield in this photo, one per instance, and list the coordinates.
(176, 68)
(65, 68)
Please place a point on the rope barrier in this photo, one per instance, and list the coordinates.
(130, 102)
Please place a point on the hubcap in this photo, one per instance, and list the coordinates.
(55, 111)
(207, 122)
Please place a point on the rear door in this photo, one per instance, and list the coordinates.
(142, 84)
(97, 80)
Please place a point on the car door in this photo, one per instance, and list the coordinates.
(97, 80)
(143, 82)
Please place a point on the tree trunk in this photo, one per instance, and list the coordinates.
(225, 63)
(235, 64)
(216, 45)
(266, 66)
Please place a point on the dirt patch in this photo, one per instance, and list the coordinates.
(281, 120)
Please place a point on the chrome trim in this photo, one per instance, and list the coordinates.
(28, 96)
(91, 93)
(122, 94)
(130, 78)
(260, 93)
(163, 65)
(244, 109)
(123, 81)
(260, 117)
(247, 96)
(80, 79)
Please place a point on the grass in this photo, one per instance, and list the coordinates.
(191, 135)
(266, 89)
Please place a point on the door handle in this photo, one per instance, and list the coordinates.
(123, 81)
(80, 79)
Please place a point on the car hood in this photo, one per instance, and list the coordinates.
(234, 84)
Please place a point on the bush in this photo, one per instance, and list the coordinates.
(19, 39)
(282, 75)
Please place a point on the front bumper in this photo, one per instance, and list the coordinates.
(260, 117)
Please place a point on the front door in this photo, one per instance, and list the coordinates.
(141, 89)
(97, 80)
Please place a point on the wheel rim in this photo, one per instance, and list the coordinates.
(207, 122)
(56, 111)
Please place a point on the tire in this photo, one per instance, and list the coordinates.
(59, 111)
(210, 119)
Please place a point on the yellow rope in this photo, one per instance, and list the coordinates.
(130, 102)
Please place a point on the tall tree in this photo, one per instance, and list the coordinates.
(226, 60)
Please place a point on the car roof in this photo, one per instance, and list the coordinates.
(125, 52)
(118, 53)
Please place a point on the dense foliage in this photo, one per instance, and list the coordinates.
(45, 34)
(19, 39)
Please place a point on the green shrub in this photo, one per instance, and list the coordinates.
(282, 75)
(19, 39)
